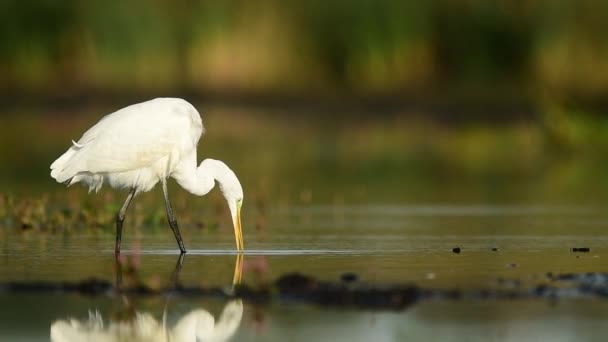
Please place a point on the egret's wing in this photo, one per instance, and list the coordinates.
(135, 137)
(129, 144)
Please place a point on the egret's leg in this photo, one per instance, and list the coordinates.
(171, 218)
(177, 270)
(120, 218)
(118, 270)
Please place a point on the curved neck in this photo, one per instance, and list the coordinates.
(200, 180)
(229, 321)
(196, 180)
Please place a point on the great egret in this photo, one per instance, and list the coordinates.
(138, 146)
(197, 325)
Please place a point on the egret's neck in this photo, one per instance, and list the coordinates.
(196, 180)
(200, 180)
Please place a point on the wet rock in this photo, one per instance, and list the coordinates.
(348, 292)
(543, 290)
(453, 294)
(87, 287)
(511, 283)
(295, 282)
(349, 277)
(561, 276)
(299, 287)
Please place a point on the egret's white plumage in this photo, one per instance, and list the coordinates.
(142, 144)
(197, 325)
(133, 147)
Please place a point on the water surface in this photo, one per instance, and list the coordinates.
(382, 244)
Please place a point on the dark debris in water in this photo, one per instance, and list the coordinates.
(349, 277)
(299, 287)
(296, 287)
(581, 249)
(93, 287)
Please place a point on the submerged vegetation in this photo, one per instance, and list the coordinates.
(75, 212)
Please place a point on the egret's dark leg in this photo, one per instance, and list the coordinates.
(171, 218)
(118, 270)
(177, 270)
(120, 218)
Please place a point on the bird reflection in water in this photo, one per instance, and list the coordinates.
(197, 325)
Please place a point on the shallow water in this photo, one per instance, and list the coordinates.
(380, 244)
(451, 321)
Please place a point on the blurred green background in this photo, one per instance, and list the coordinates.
(517, 51)
(325, 101)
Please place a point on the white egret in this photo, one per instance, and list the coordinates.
(197, 325)
(137, 146)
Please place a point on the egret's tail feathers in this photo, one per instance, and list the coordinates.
(60, 166)
(68, 169)
(63, 177)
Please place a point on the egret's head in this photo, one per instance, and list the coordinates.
(233, 193)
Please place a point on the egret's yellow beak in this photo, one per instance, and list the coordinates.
(238, 270)
(238, 231)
